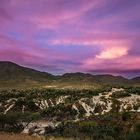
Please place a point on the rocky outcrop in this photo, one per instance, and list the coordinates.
(39, 128)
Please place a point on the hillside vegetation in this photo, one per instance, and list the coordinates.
(15, 76)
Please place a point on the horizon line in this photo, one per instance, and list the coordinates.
(102, 74)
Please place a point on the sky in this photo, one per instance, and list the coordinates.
(63, 36)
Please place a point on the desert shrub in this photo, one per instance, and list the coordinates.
(137, 128)
(126, 116)
(135, 135)
(133, 90)
(120, 94)
(115, 106)
(87, 127)
(98, 109)
(13, 121)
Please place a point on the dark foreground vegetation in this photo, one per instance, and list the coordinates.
(124, 126)
(113, 125)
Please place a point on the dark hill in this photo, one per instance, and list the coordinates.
(13, 74)
(111, 80)
(136, 80)
(93, 79)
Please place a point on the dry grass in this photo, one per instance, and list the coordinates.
(9, 136)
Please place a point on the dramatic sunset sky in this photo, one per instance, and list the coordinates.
(59, 36)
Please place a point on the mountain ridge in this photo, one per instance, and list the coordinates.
(14, 74)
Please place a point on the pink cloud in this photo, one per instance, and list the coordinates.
(111, 53)
(127, 63)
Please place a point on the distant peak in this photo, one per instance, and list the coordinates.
(76, 74)
(8, 63)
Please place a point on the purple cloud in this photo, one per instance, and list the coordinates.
(68, 36)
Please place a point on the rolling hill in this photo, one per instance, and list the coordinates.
(14, 75)
(136, 80)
